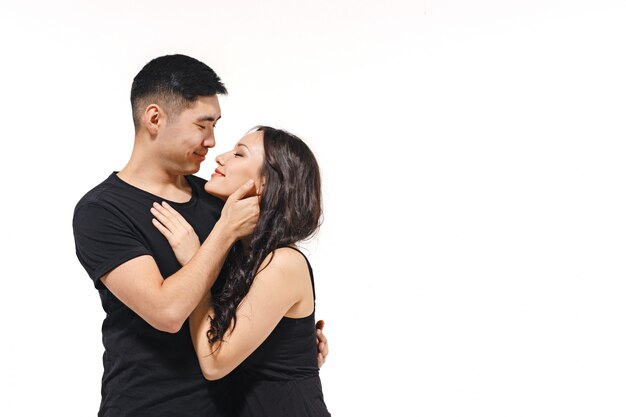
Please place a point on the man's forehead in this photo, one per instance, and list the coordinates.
(207, 108)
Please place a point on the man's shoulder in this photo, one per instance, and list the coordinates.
(197, 184)
(196, 180)
(97, 194)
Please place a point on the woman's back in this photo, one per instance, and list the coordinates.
(281, 377)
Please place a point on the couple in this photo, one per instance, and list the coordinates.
(194, 272)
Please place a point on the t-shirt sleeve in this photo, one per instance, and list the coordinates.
(104, 241)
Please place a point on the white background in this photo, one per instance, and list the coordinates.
(471, 262)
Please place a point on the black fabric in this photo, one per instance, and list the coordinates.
(146, 372)
(281, 378)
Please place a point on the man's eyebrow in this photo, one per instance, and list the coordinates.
(208, 119)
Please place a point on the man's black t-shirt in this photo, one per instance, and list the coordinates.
(146, 372)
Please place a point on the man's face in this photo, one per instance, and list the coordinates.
(185, 139)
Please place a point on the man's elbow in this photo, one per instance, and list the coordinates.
(169, 321)
(170, 327)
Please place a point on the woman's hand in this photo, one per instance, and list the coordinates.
(180, 235)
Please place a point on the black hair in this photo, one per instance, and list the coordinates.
(174, 82)
(290, 211)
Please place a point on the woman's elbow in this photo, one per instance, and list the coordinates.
(211, 371)
(212, 374)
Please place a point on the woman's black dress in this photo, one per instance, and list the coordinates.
(281, 377)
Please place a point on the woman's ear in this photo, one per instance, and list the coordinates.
(260, 186)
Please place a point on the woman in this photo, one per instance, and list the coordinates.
(261, 321)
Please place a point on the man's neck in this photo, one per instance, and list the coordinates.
(151, 178)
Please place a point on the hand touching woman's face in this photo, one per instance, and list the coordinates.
(237, 166)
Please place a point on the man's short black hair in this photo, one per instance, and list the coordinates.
(174, 82)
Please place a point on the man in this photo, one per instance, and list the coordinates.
(150, 367)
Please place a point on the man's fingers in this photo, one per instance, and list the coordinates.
(242, 191)
(322, 343)
(241, 213)
(320, 360)
(321, 337)
(322, 348)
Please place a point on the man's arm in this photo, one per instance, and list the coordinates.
(166, 303)
(185, 244)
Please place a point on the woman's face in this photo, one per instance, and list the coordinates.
(237, 166)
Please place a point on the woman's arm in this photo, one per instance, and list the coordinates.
(280, 286)
(274, 291)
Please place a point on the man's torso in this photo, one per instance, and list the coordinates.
(146, 371)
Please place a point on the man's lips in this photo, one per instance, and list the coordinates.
(201, 156)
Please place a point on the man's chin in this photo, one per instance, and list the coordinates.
(193, 169)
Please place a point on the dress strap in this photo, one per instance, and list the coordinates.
(308, 264)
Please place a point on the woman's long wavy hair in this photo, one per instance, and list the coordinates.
(290, 211)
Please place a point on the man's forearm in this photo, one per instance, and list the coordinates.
(183, 290)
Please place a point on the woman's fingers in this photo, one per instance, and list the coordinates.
(164, 231)
(175, 216)
(180, 234)
(163, 216)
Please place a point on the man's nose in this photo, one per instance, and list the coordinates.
(209, 141)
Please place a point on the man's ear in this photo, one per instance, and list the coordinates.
(153, 118)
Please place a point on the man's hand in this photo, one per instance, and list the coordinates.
(240, 213)
(322, 344)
